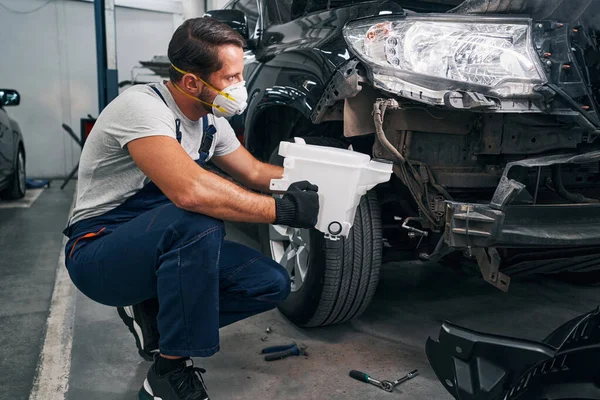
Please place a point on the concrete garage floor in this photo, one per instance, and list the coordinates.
(387, 341)
(30, 240)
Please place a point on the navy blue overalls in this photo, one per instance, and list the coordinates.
(148, 248)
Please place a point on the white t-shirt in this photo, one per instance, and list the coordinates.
(107, 174)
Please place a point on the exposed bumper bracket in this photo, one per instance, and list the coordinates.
(490, 270)
(502, 223)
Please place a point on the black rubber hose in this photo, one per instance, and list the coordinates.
(562, 192)
(576, 107)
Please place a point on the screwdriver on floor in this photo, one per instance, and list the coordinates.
(385, 385)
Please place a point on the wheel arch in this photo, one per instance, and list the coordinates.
(291, 80)
(263, 138)
(21, 146)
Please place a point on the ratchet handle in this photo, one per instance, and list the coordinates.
(359, 376)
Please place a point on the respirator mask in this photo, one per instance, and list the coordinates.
(229, 102)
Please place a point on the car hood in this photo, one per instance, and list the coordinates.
(586, 11)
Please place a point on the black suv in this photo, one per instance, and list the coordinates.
(12, 150)
(491, 122)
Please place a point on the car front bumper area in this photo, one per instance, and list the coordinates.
(541, 226)
(568, 234)
(506, 222)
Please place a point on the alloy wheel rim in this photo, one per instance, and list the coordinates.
(290, 247)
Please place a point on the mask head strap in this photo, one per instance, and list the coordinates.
(218, 107)
(226, 95)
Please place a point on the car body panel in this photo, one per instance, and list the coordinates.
(580, 11)
(10, 140)
(295, 66)
(6, 146)
(294, 61)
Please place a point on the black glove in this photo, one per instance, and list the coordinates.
(299, 206)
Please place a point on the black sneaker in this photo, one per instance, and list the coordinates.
(184, 383)
(141, 321)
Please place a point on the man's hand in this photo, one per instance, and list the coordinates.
(299, 206)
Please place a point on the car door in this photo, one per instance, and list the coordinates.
(6, 148)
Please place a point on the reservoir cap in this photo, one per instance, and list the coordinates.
(335, 228)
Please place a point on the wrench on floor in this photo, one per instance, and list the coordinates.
(385, 385)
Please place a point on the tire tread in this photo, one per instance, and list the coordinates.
(352, 264)
(352, 268)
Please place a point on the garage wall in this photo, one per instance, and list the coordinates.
(195, 8)
(50, 57)
(217, 4)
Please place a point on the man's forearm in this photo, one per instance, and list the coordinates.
(262, 179)
(222, 199)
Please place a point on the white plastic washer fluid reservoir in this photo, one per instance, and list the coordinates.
(343, 177)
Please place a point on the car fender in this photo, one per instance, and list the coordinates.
(293, 79)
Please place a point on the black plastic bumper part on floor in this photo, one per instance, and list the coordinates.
(477, 366)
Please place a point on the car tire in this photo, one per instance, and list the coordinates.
(17, 187)
(340, 276)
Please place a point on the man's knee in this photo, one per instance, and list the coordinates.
(189, 225)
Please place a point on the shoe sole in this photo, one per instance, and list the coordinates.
(126, 314)
(146, 393)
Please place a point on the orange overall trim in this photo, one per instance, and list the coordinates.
(86, 236)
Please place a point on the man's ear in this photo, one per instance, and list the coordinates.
(191, 83)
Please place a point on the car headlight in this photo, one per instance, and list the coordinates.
(426, 57)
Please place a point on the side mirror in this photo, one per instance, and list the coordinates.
(9, 97)
(236, 19)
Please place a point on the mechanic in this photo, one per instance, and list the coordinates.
(147, 228)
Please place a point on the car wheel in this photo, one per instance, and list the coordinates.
(332, 281)
(17, 188)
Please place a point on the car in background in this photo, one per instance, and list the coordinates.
(12, 150)
(491, 122)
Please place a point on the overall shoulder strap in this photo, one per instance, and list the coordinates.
(159, 94)
(177, 120)
(208, 135)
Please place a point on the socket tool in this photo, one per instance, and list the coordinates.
(385, 385)
(283, 351)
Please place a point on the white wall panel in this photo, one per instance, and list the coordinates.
(30, 63)
(217, 4)
(50, 57)
(166, 6)
(193, 8)
(140, 36)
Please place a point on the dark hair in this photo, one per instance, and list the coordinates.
(194, 46)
